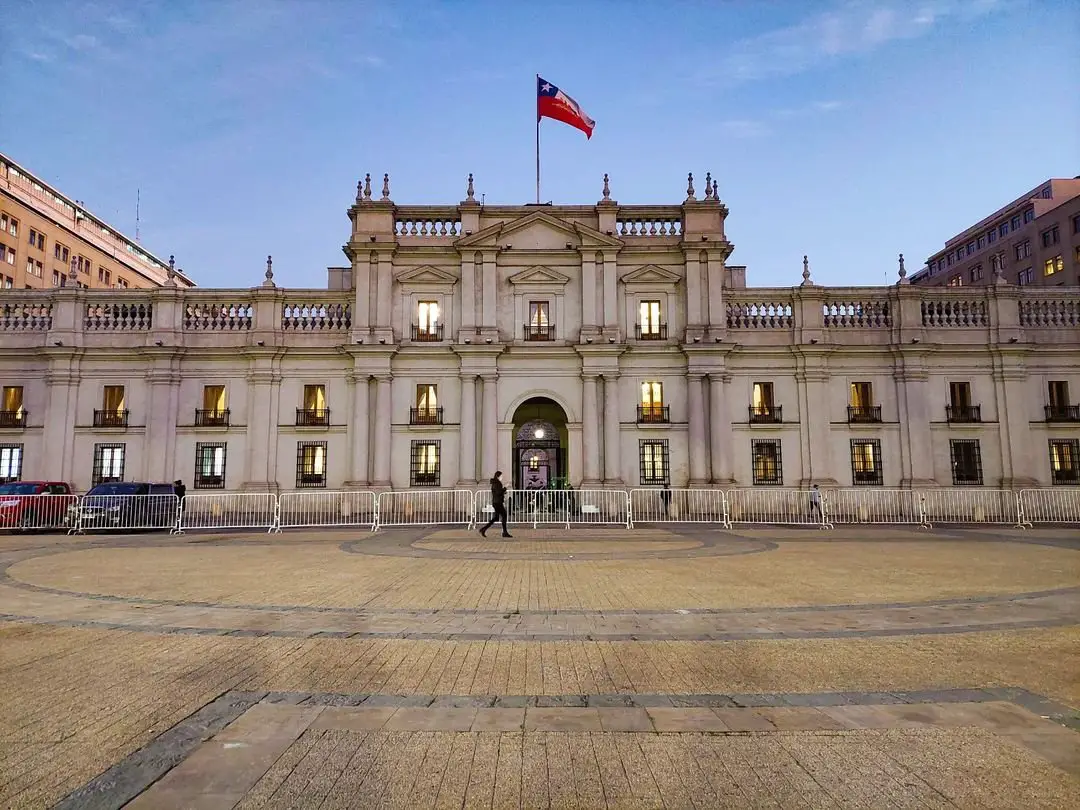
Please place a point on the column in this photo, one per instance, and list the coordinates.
(467, 434)
(361, 278)
(698, 470)
(693, 289)
(358, 430)
(261, 431)
(386, 280)
(490, 427)
(1010, 384)
(612, 432)
(815, 407)
(591, 430)
(57, 460)
(715, 278)
(383, 433)
(917, 456)
(159, 446)
(588, 291)
(720, 430)
(490, 269)
(468, 294)
(611, 312)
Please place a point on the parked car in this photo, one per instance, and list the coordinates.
(127, 505)
(34, 504)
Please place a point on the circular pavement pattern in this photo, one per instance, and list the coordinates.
(44, 584)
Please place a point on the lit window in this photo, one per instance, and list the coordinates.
(108, 463)
(538, 313)
(428, 317)
(209, 466)
(767, 462)
(1054, 265)
(424, 467)
(653, 462)
(866, 467)
(310, 464)
(649, 319)
(10, 462)
(1065, 461)
(956, 281)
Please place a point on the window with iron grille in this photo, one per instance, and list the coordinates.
(966, 462)
(424, 464)
(767, 462)
(310, 465)
(210, 465)
(108, 463)
(866, 467)
(1064, 461)
(655, 464)
(11, 456)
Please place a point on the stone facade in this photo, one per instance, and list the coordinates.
(606, 345)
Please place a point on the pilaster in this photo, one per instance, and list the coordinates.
(359, 429)
(490, 421)
(591, 428)
(812, 376)
(263, 402)
(61, 407)
(467, 433)
(612, 431)
(163, 380)
(699, 474)
(916, 442)
(383, 430)
(490, 322)
(720, 429)
(1010, 382)
(588, 294)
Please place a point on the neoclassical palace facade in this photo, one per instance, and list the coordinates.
(593, 346)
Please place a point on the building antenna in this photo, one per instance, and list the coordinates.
(138, 199)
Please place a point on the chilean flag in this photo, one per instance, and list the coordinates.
(551, 102)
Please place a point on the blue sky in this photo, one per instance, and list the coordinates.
(850, 131)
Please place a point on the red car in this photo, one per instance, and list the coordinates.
(34, 504)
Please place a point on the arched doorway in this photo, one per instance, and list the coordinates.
(540, 445)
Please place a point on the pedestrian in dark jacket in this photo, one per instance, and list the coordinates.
(498, 503)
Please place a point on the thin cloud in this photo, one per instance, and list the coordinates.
(745, 128)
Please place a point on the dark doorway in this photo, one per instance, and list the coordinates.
(540, 445)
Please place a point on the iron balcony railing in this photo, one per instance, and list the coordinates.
(766, 414)
(864, 413)
(963, 413)
(1063, 413)
(425, 416)
(313, 417)
(111, 419)
(651, 331)
(427, 333)
(653, 414)
(13, 419)
(211, 418)
(540, 331)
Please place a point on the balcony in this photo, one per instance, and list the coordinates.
(963, 413)
(425, 416)
(427, 333)
(1066, 476)
(313, 417)
(653, 414)
(540, 332)
(211, 418)
(652, 331)
(13, 419)
(1063, 413)
(766, 414)
(863, 414)
(111, 419)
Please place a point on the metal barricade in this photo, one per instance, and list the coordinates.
(873, 505)
(1057, 505)
(328, 509)
(559, 507)
(789, 507)
(975, 505)
(37, 512)
(124, 513)
(418, 507)
(229, 510)
(678, 506)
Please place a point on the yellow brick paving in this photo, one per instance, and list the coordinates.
(75, 701)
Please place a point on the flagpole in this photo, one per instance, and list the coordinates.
(537, 139)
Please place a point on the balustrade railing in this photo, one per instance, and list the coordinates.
(863, 314)
(954, 313)
(26, 316)
(428, 226)
(1057, 312)
(760, 315)
(119, 317)
(219, 316)
(331, 316)
(649, 226)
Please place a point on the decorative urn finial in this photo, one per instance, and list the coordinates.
(359, 190)
(470, 194)
(902, 272)
(690, 186)
(715, 191)
(386, 187)
(806, 272)
(170, 278)
(607, 188)
(367, 186)
(708, 185)
(269, 272)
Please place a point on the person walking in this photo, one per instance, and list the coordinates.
(498, 504)
(815, 502)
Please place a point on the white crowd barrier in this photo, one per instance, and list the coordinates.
(37, 512)
(872, 505)
(123, 513)
(974, 505)
(788, 507)
(328, 509)
(558, 507)
(1057, 505)
(678, 506)
(425, 507)
(229, 510)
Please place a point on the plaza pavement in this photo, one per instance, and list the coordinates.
(663, 667)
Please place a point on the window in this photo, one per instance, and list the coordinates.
(427, 410)
(862, 394)
(767, 462)
(1058, 393)
(57, 279)
(424, 464)
(428, 326)
(866, 463)
(966, 462)
(9, 225)
(971, 248)
(948, 259)
(108, 463)
(213, 397)
(121, 283)
(960, 394)
(1016, 223)
(8, 254)
(1024, 277)
(1029, 215)
(1064, 461)
(652, 408)
(11, 456)
(82, 264)
(209, 466)
(976, 272)
(539, 326)
(1050, 236)
(762, 405)
(1054, 265)
(103, 276)
(1076, 224)
(314, 411)
(36, 240)
(1023, 250)
(214, 410)
(34, 267)
(1003, 229)
(649, 326)
(112, 400)
(653, 463)
(981, 242)
(9, 283)
(11, 412)
(60, 252)
(956, 281)
(310, 465)
(991, 236)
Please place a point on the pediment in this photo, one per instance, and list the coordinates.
(426, 275)
(651, 274)
(538, 231)
(539, 275)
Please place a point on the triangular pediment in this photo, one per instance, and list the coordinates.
(538, 231)
(651, 274)
(426, 275)
(539, 275)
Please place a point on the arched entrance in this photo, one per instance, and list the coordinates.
(541, 440)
